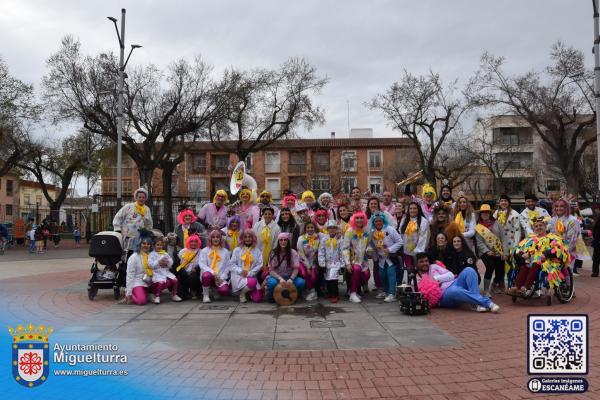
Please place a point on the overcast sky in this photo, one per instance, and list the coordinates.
(362, 46)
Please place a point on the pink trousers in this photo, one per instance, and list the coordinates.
(138, 295)
(358, 277)
(254, 290)
(158, 287)
(208, 280)
(310, 277)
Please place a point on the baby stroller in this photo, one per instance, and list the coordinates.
(564, 292)
(107, 250)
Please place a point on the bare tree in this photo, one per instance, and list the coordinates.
(160, 107)
(558, 108)
(264, 106)
(454, 163)
(17, 110)
(426, 111)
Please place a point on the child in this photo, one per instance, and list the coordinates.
(214, 266)
(246, 263)
(162, 278)
(331, 258)
(77, 236)
(232, 232)
(188, 268)
(38, 238)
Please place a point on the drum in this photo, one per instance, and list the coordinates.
(285, 294)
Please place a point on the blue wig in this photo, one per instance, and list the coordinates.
(144, 236)
(382, 215)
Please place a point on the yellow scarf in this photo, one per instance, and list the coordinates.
(234, 237)
(331, 242)
(560, 227)
(185, 236)
(215, 258)
(378, 236)
(145, 264)
(140, 209)
(412, 227)
(460, 221)
(267, 240)
(312, 240)
(186, 257)
(247, 258)
(502, 217)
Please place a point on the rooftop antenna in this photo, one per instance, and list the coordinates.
(348, 105)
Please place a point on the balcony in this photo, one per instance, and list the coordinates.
(297, 168)
(219, 169)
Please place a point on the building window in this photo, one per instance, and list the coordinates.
(248, 162)
(349, 161)
(348, 182)
(375, 184)
(297, 162)
(9, 210)
(199, 165)
(298, 184)
(220, 163)
(272, 163)
(320, 184)
(197, 188)
(510, 138)
(375, 160)
(38, 199)
(9, 187)
(218, 184)
(27, 199)
(320, 161)
(553, 185)
(273, 185)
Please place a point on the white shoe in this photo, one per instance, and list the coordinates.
(152, 297)
(390, 298)
(205, 297)
(494, 308)
(354, 298)
(157, 300)
(381, 295)
(243, 298)
(176, 298)
(481, 309)
(576, 274)
(312, 295)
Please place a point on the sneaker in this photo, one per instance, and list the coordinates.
(481, 309)
(381, 295)
(176, 298)
(576, 273)
(206, 298)
(594, 275)
(494, 308)
(157, 300)
(243, 298)
(312, 295)
(153, 298)
(194, 296)
(390, 298)
(354, 298)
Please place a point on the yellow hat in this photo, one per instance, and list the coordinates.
(428, 189)
(307, 194)
(485, 208)
(220, 192)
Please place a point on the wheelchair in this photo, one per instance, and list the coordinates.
(564, 292)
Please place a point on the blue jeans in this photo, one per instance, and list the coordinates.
(387, 274)
(32, 246)
(465, 289)
(272, 282)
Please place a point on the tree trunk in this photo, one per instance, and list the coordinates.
(145, 173)
(167, 180)
(429, 175)
(55, 211)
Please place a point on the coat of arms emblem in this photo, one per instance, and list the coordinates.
(30, 354)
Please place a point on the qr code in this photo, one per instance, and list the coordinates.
(557, 344)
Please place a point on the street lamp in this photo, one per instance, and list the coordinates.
(597, 84)
(122, 65)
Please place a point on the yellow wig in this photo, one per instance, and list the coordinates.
(429, 189)
(308, 194)
(223, 193)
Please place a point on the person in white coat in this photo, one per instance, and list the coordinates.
(531, 213)
(245, 265)
(162, 278)
(385, 241)
(510, 227)
(214, 266)
(131, 218)
(331, 258)
(266, 231)
(414, 229)
(137, 268)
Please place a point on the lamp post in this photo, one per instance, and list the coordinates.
(597, 85)
(120, 122)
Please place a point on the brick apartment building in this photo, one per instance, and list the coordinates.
(9, 197)
(333, 165)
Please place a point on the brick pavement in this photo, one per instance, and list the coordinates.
(489, 363)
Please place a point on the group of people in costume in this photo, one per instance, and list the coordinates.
(250, 247)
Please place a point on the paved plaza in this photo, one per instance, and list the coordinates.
(309, 351)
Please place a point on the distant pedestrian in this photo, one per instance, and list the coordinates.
(77, 236)
(31, 237)
(38, 239)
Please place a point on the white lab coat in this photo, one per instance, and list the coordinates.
(160, 274)
(236, 266)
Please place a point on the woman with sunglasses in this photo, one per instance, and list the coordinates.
(283, 266)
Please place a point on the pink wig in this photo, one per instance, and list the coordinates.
(216, 233)
(358, 214)
(193, 238)
(565, 204)
(431, 290)
(181, 216)
(320, 213)
(290, 197)
(250, 232)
